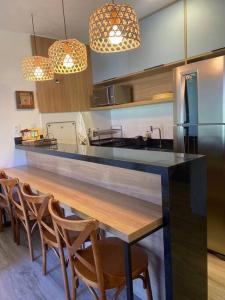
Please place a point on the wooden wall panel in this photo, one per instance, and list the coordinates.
(71, 93)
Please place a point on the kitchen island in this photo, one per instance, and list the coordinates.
(177, 183)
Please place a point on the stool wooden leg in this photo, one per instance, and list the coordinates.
(30, 242)
(44, 250)
(65, 276)
(1, 224)
(13, 222)
(148, 285)
(74, 279)
(118, 292)
(17, 230)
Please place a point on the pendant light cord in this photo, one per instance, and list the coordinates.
(35, 42)
(64, 19)
(185, 32)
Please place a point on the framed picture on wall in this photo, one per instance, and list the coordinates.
(24, 100)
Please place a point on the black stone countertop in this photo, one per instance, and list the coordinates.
(140, 160)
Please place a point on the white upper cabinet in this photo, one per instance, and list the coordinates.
(206, 26)
(108, 66)
(161, 42)
(162, 39)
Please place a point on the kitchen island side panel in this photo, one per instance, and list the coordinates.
(185, 231)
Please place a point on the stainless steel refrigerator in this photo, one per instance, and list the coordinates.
(199, 127)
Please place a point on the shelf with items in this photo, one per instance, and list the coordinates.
(133, 104)
(169, 97)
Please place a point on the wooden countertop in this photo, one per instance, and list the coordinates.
(127, 217)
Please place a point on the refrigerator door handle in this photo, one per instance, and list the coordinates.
(179, 138)
(183, 105)
(186, 140)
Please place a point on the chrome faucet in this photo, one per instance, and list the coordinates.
(160, 134)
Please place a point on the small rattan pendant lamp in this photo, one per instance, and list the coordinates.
(69, 55)
(37, 68)
(114, 28)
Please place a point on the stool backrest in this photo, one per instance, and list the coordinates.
(3, 174)
(38, 206)
(19, 203)
(8, 186)
(3, 197)
(87, 229)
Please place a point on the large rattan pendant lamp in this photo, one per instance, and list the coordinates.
(114, 28)
(69, 55)
(37, 68)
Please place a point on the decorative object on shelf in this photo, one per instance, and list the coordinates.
(168, 97)
(31, 134)
(37, 68)
(114, 28)
(69, 55)
(24, 100)
(163, 96)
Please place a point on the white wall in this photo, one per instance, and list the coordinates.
(14, 47)
(135, 121)
(93, 120)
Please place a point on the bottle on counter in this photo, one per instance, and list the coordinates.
(147, 135)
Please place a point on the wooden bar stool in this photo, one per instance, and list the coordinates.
(21, 212)
(7, 188)
(38, 206)
(4, 205)
(100, 266)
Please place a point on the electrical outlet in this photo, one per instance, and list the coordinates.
(17, 129)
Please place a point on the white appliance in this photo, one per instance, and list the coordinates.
(64, 132)
(199, 128)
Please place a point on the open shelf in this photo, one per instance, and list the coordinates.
(169, 98)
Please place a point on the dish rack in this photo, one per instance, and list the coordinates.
(99, 133)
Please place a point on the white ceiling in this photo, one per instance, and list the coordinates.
(15, 15)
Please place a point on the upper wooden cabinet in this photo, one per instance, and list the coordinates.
(66, 93)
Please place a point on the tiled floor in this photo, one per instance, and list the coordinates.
(20, 279)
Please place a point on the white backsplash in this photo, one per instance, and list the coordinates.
(135, 121)
(93, 120)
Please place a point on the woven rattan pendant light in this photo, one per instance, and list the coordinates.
(114, 28)
(37, 68)
(69, 55)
